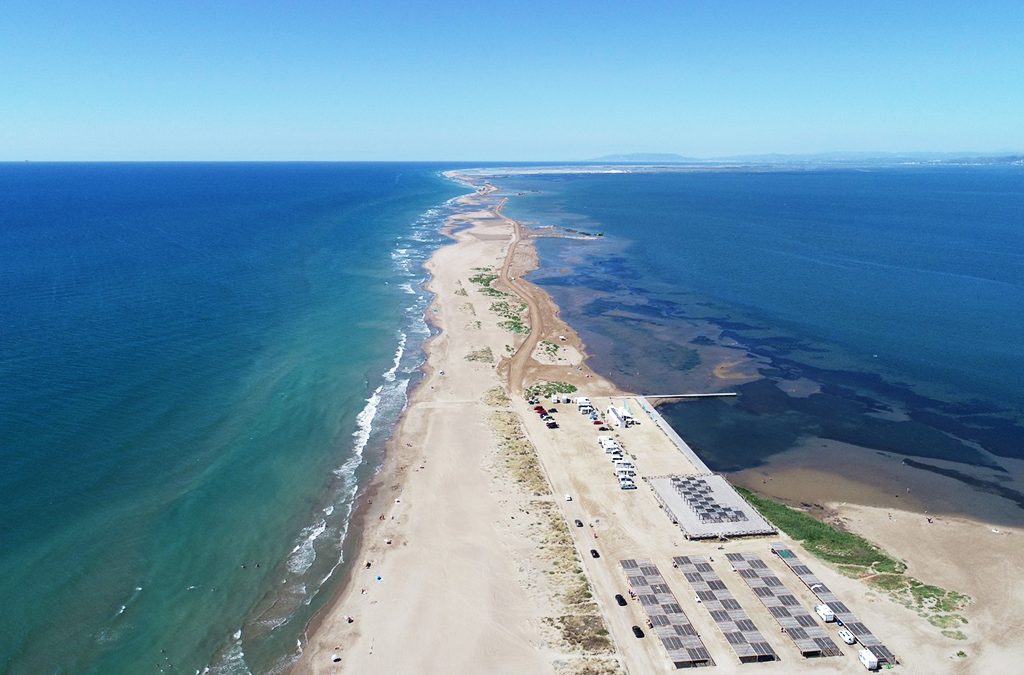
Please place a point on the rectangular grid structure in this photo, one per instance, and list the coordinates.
(739, 631)
(685, 648)
(796, 622)
(706, 506)
(849, 620)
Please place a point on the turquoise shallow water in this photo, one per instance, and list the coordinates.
(897, 294)
(199, 365)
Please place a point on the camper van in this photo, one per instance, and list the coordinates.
(825, 612)
(867, 659)
(626, 484)
(619, 416)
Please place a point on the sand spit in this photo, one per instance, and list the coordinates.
(473, 559)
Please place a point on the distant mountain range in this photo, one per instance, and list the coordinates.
(851, 158)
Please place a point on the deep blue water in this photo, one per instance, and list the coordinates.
(899, 291)
(199, 362)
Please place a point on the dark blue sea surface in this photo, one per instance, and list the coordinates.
(881, 307)
(199, 363)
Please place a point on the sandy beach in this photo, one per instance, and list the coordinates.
(468, 560)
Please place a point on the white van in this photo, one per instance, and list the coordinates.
(826, 613)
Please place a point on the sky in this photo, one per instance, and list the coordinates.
(511, 80)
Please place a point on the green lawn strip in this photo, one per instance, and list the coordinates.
(821, 539)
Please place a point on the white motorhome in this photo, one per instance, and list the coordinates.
(825, 612)
(867, 659)
(620, 417)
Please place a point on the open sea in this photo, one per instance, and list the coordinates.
(199, 365)
(881, 307)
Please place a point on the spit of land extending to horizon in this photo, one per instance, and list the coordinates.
(318, 498)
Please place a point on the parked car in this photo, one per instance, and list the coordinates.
(599, 422)
(579, 523)
(552, 425)
(552, 410)
(620, 600)
(638, 631)
(604, 429)
(568, 497)
(847, 637)
(594, 553)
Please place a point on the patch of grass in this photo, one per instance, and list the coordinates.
(585, 632)
(589, 665)
(461, 291)
(484, 279)
(514, 326)
(947, 621)
(821, 539)
(513, 315)
(549, 348)
(955, 635)
(497, 397)
(484, 355)
(962, 654)
(549, 388)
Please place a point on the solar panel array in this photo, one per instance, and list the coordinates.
(736, 626)
(795, 621)
(850, 621)
(699, 496)
(670, 624)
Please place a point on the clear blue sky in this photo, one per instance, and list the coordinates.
(541, 80)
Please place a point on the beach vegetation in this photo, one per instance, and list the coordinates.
(858, 558)
(955, 635)
(518, 453)
(483, 280)
(548, 389)
(512, 315)
(484, 355)
(962, 654)
(497, 397)
(823, 540)
(589, 665)
(550, 348)
(585, 632)
(514, 326)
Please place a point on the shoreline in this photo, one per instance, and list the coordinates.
(328, 634)
(379, 516)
